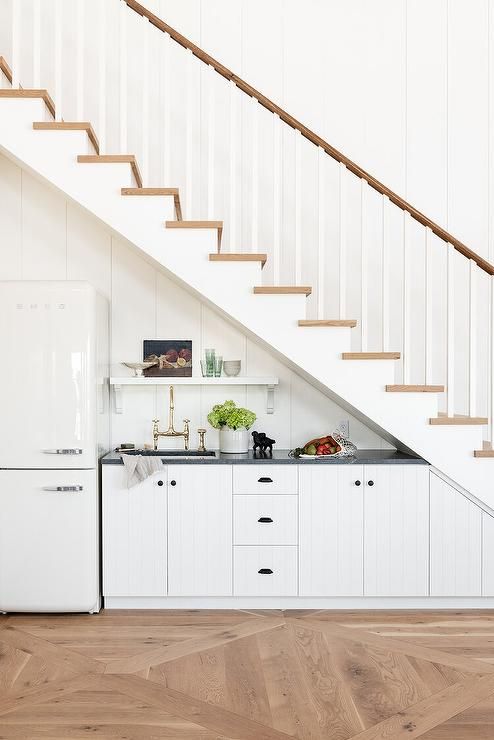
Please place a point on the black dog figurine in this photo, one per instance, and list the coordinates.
(263, 443)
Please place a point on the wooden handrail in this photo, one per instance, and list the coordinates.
(311, 136)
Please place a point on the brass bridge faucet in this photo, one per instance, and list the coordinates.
(170, 432)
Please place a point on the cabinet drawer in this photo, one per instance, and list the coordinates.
(265, 519)
(265, 571)
(265, 479)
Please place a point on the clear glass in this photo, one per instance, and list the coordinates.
(203, 368)
(218, 366)
(210, 362)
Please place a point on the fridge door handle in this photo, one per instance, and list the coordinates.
(63, 489)
(64, 451)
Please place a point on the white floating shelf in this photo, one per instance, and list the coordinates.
(118, 382)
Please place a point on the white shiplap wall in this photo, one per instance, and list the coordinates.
(404, 87)
(44, 236)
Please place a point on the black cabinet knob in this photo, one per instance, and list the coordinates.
(265, 520)
(357, 483)
(265, 571)
(173, 482)
(370, 482)
(160, 482)
(265, 480)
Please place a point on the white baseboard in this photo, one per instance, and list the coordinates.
(291, 602)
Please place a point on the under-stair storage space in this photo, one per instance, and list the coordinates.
(331, 530)
(396, 530)
(265, 520)
(200, 530)
(265, 571)
(456, 542)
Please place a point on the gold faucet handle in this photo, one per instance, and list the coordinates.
(202, 446)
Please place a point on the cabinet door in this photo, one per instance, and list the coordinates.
(331, 530)
(200, 530)
(134, 534)
(396, 530)
(456, 542)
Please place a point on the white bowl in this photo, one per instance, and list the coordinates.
(138, 367)
(232, 367)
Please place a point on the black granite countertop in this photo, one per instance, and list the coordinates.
(282, 457)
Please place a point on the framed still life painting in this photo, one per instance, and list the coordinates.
(171, 357)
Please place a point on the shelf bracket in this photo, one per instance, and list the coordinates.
(270, 399)
(118, 399)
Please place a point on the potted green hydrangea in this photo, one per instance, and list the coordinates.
(233, 423)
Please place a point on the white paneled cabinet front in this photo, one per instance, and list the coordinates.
(199, 530)
(331, 530)
(134, 534)
(396, 530)
(456, 542)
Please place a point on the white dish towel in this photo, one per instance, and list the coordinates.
(140, 467)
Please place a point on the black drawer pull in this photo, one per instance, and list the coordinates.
(265, 480)
(370, 483)
(265, 520)
(265, 571)
(173, 482)
(357, 483)
(160, 482)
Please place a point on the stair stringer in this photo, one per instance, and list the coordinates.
(358, 385)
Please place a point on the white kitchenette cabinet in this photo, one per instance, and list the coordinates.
(396, 530)
(200, 530)
(134, 535)
(331, 530)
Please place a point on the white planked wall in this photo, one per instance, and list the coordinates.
(404, 87)
(44, 236)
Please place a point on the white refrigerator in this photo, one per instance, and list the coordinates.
(53, 429)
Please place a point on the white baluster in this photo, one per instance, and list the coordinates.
(211, 103)
(58, 60)
(36, 44)
(472, 329)
(146, 31)
(298, 207)
(80, 61)
(167, 102)
(343, 241)
(321, 232)
(254, 173)
(123, 76)
(233, 166)
(450, 319)
(385, 273)
(406, 297)
(16, 41)
(102, 47)
(189, 120)
(429, 316)
(363, 262)
(277, 132)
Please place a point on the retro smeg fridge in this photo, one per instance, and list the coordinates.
(53, 429)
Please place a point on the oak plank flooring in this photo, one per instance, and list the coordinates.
(248, 675)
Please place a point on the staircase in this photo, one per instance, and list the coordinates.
(431, 395)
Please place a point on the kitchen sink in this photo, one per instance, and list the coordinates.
(171, 453)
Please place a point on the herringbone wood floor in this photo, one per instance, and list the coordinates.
(248, 675)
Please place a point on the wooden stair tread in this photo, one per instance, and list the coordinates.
(371, 355)
(198, 225)
(69, 126)
(157, 191)
(283, 290)
(113, 159)
(328, 322)
(415, 388)
(239, 257)
(443, 420)
(483, 453)
(43, 94)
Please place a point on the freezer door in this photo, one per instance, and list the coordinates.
(48, 540)
(47, 375)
